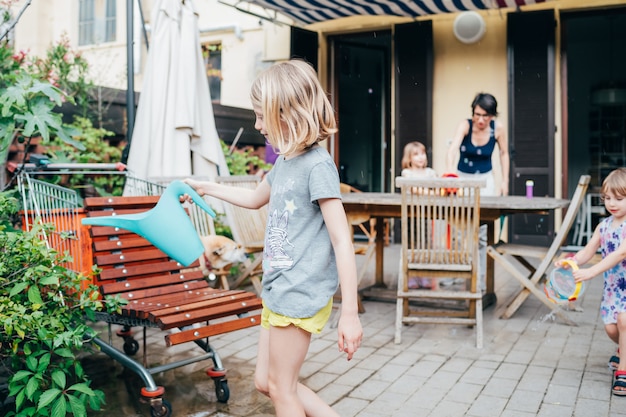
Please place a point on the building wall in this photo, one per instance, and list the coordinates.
(45, 22)
(462, 70)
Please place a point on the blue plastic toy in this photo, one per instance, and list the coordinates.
(561, 286)
(167, 226)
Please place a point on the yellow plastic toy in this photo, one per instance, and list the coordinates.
(561, 286)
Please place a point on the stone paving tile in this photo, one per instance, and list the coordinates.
(526, 401)
(590, 407)
(349, 406)
(370, 389)
(449, 408)
(531, 365)
(513, 413)
(555, 410)
(500, 387)
(487, 406)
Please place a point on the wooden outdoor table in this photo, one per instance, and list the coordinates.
(384, 205)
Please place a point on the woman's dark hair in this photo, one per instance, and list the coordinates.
(487, 102)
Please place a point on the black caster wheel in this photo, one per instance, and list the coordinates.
(131, 346)
(221, 390)
(164, 411)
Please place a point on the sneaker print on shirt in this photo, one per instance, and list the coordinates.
(276, 239)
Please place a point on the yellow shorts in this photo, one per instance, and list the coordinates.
(313, 324)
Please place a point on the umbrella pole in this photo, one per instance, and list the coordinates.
(130, 79)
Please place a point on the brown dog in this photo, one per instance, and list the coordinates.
(219, 252)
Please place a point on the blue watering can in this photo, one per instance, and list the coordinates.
(167, 226)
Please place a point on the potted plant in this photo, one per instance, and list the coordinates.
(43, 307)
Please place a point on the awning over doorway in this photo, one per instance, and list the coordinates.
(312, 11)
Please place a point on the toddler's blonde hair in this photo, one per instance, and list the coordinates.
(615, 182)
(409, 149)
(296, 111)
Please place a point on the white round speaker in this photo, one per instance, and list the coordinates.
(469, 27)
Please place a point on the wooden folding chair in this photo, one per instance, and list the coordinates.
(531, 276)
(440, 221)
(248, 229)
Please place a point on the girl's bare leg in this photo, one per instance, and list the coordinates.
(282, 351)
(262, 362)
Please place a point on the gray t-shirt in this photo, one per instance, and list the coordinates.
(299, 268)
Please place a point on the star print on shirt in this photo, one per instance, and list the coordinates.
(290, 206)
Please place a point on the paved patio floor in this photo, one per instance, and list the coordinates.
(530, 365)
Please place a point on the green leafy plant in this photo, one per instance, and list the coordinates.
(243, 161)
(32, 91)
(43, 307)
(95, 150)
(66, 69)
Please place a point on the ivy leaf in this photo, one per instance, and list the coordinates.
(19, 375)
(31, 363)
(31, 387)
(49, 90)
(65, 353)
(66, 133)
(59, 378)
(48, 396)
(19, 399)
(34, 296)
(13, 96)
(81, 387)
(44, 362)
(77, 406)
(18, 288)
(50, 280)
(59, 408)
(39, 121)
(78, 370)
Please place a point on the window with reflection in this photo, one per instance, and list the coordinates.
(212, 55)
(96, 21)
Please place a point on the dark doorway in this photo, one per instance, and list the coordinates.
(596, 93)
(361, 92)
(594, 84)
(531, 61)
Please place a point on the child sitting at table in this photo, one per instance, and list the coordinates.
(415, 165)
(415, 161)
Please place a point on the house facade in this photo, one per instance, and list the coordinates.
(556, 67)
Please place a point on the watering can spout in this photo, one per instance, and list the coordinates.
(167, 226)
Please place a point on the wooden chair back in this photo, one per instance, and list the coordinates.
(248, 229)
(439, 222)
(247, 226)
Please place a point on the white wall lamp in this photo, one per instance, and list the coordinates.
(469, 27)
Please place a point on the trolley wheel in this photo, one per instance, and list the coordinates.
(131, 346)
(221, 390)
(165, 410)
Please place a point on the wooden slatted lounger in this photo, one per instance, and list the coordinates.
(161, 294)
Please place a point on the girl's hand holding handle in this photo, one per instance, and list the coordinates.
(567, 262)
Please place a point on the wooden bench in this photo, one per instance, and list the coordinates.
(162, 294)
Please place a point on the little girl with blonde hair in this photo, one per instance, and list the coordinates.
(308, 247)
(610, 238)
(415, 161)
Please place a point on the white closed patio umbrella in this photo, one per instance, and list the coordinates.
(174, 133)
